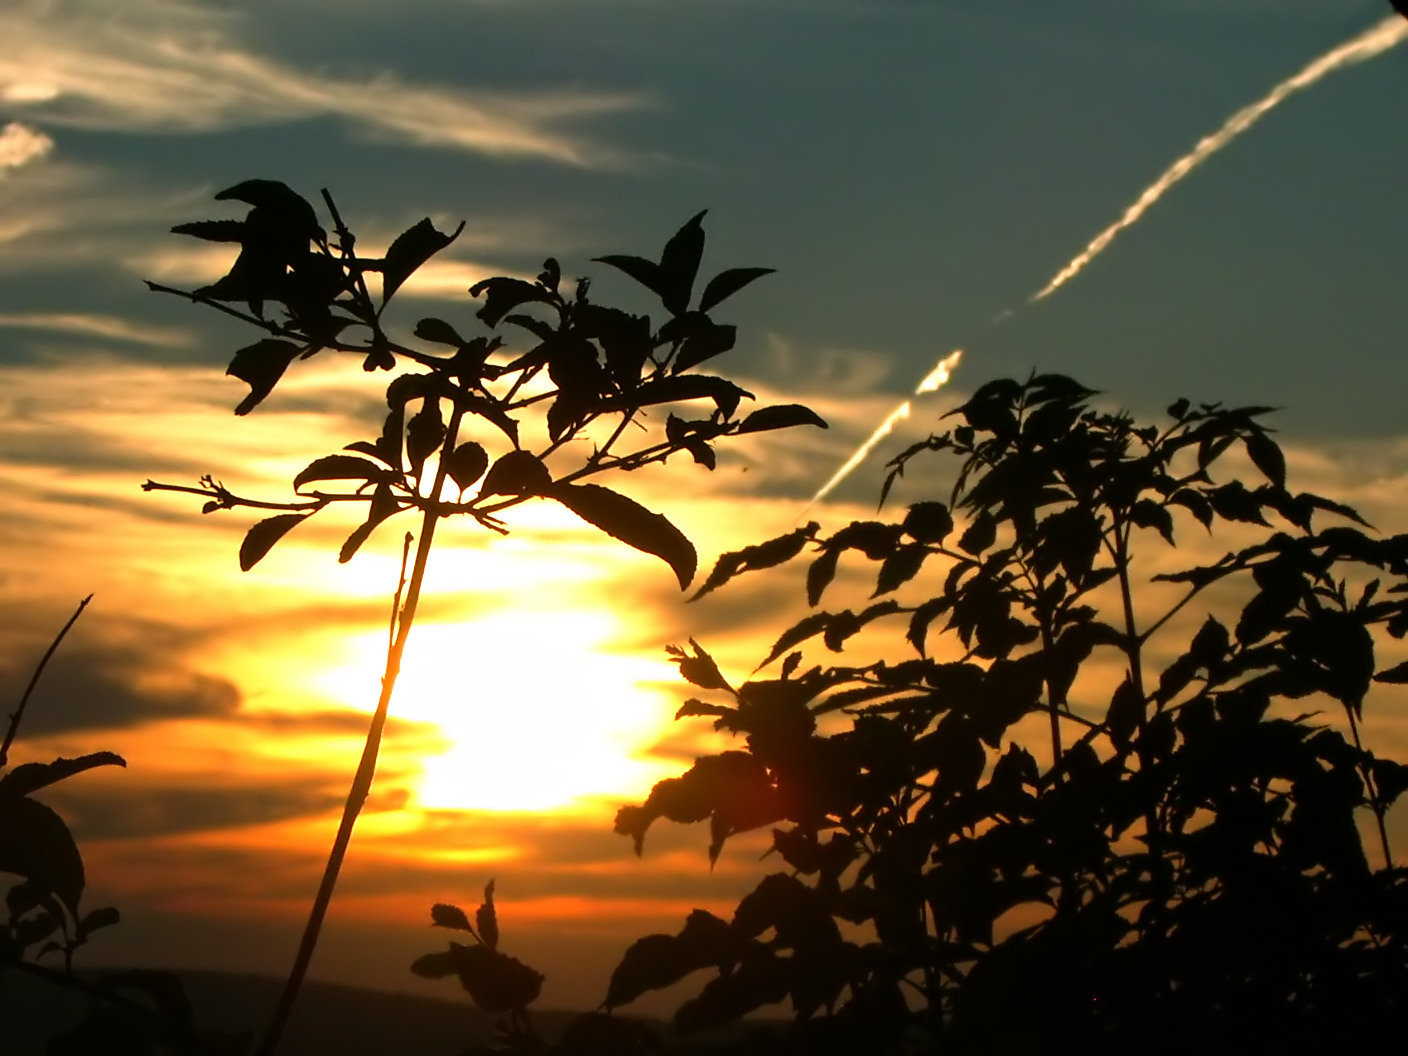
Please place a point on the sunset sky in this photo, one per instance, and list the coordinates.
(913, 169)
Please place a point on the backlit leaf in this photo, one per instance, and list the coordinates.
(339, 467)
(726, 283)
(263, 535)
(412, 248)
(261, 365)
(517, 473)
(444, 915)
(782, 416)
(629, 521)
(487, 919)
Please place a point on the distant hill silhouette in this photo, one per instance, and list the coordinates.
(347, 1020)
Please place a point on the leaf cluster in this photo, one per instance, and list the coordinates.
(587, 378)
(1176, 860)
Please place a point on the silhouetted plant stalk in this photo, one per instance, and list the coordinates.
(17, 716)
(600, 364)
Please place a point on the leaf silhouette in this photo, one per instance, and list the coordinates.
(262, 536)
(412, 248)
(657, 961)
(466, 463)
(212, 230)
(629, 521)
(444, 915)
(261, 365)
(36, 844)
(383, 505)
(517, 473)
(782, 416)
(487, 919)
(339, 467)
(679, 264)
(1267, 457)
(726, 283)
(31, 777)
(645, 272)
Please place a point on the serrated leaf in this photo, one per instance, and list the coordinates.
(629, 521)
(339, 467)
(726, 283)
(820, 574)
(444, 915)
(807, 627)
(694, 708)
(262, 536)
(782, 416)
(412, 248)
(900, 567)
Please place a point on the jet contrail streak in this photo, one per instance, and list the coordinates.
(931, 383)
(1380, 38)
(1374, 41)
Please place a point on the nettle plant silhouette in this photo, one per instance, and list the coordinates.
(591, 393)
(983, 857)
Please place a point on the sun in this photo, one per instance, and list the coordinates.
(540, 713)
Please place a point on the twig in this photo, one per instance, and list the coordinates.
(34, 681)
(400, 587)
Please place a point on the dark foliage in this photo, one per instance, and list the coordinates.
(1178, 864)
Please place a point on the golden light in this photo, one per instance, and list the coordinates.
(541, 714)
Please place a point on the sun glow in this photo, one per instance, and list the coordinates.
(541, 715)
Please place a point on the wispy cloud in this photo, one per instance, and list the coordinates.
(168, 67)
(107, 327)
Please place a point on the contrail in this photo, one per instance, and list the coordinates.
(1392, 30)
(935, 378)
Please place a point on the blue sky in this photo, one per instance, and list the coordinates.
(910, 168)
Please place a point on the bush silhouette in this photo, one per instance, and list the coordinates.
(982, 855)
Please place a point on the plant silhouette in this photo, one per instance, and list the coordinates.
(1178, 863)
(131, 1012)
(584, 397)
(984, 856)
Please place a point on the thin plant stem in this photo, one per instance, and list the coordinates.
(366, 767)
(1375, 800)
(400, 589)
(15, 718)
